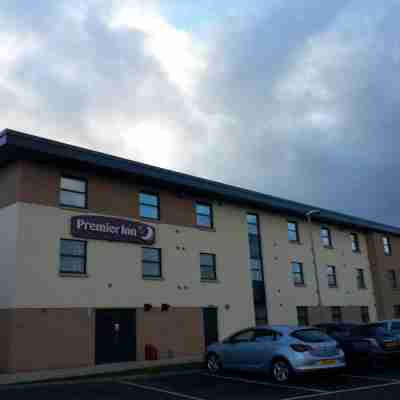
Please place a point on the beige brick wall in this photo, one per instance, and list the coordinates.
(323, 314)
(52, 338)
(176, 332)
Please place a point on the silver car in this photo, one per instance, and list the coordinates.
(280, 350)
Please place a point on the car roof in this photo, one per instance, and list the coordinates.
(387, 320)
(340, 324)
(285, 329)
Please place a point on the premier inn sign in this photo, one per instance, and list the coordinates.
(112, 229)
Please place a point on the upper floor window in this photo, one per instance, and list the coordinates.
(297, 273)
(149, 205)
(364, 314)
(293, 231)
(256, 264)
(355, 244)
(204, 215)
(326, 238)
(361, 279)
(72, 256)
(208, 269)
(392, 276)
(387, 247)
(336, 313)
(73, 192)
(396, 311)
(332, 279)
(151, 262)
(252, 224)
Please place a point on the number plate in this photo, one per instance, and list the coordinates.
(327, 362)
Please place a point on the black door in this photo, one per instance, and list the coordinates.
(115, 335)
(210, 318)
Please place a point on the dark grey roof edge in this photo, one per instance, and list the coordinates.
(57, 149)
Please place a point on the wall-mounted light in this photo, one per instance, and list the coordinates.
(165, 307)
(147, 307)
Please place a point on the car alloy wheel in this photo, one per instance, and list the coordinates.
(281, 371)
(213, 364)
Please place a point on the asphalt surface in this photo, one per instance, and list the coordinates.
(199, 385)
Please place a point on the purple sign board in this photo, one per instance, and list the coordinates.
(112, 229)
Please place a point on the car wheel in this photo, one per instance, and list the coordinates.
(281, 371)
(213, 363)
(378, 364)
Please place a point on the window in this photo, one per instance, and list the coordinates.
(392, 276)
(395, 327)
(396, 311)
(256, 263)
(208, 270)
(355, 244)
(311, 335)
(72, 256)
(297, 272)
(336, 313)
(293, 231)
(265, 335)
(261, 313)
(151, 262)
(244, 336)
(332, 280)
(73, 192)
(387, 247)
(326, 239)
(204, 215)
(365, 314)
(252, 224)
(302, 316)
(149, 205)
(361, 279)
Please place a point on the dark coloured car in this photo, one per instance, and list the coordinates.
(369, 343)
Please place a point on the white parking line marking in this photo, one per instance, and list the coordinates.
(358, 389)
(156, 389)
(371, 378)
(275, 385)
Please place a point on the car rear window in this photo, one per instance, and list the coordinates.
(396, 327)
(311, 336)
(370, 330)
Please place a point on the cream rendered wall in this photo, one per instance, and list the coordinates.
(8, 254)
(119, 265)
(278, 252)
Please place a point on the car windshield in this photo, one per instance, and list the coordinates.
(311, 336)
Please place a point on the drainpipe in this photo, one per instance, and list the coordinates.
(309, 214)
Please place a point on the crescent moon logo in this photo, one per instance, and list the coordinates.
(149, 234)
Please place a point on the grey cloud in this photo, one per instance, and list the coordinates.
(350, 166)
(250, 120)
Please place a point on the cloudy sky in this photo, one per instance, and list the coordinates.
(294, 98)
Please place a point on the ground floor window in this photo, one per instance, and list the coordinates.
(302, 316)
(336, 313)
(396, 311)
(151, 261)
(208, 268)
(72, 256)
(261, 314)
(365, 315)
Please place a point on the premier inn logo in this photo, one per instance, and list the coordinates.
(112, 229)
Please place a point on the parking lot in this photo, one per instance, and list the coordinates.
(199, 385)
